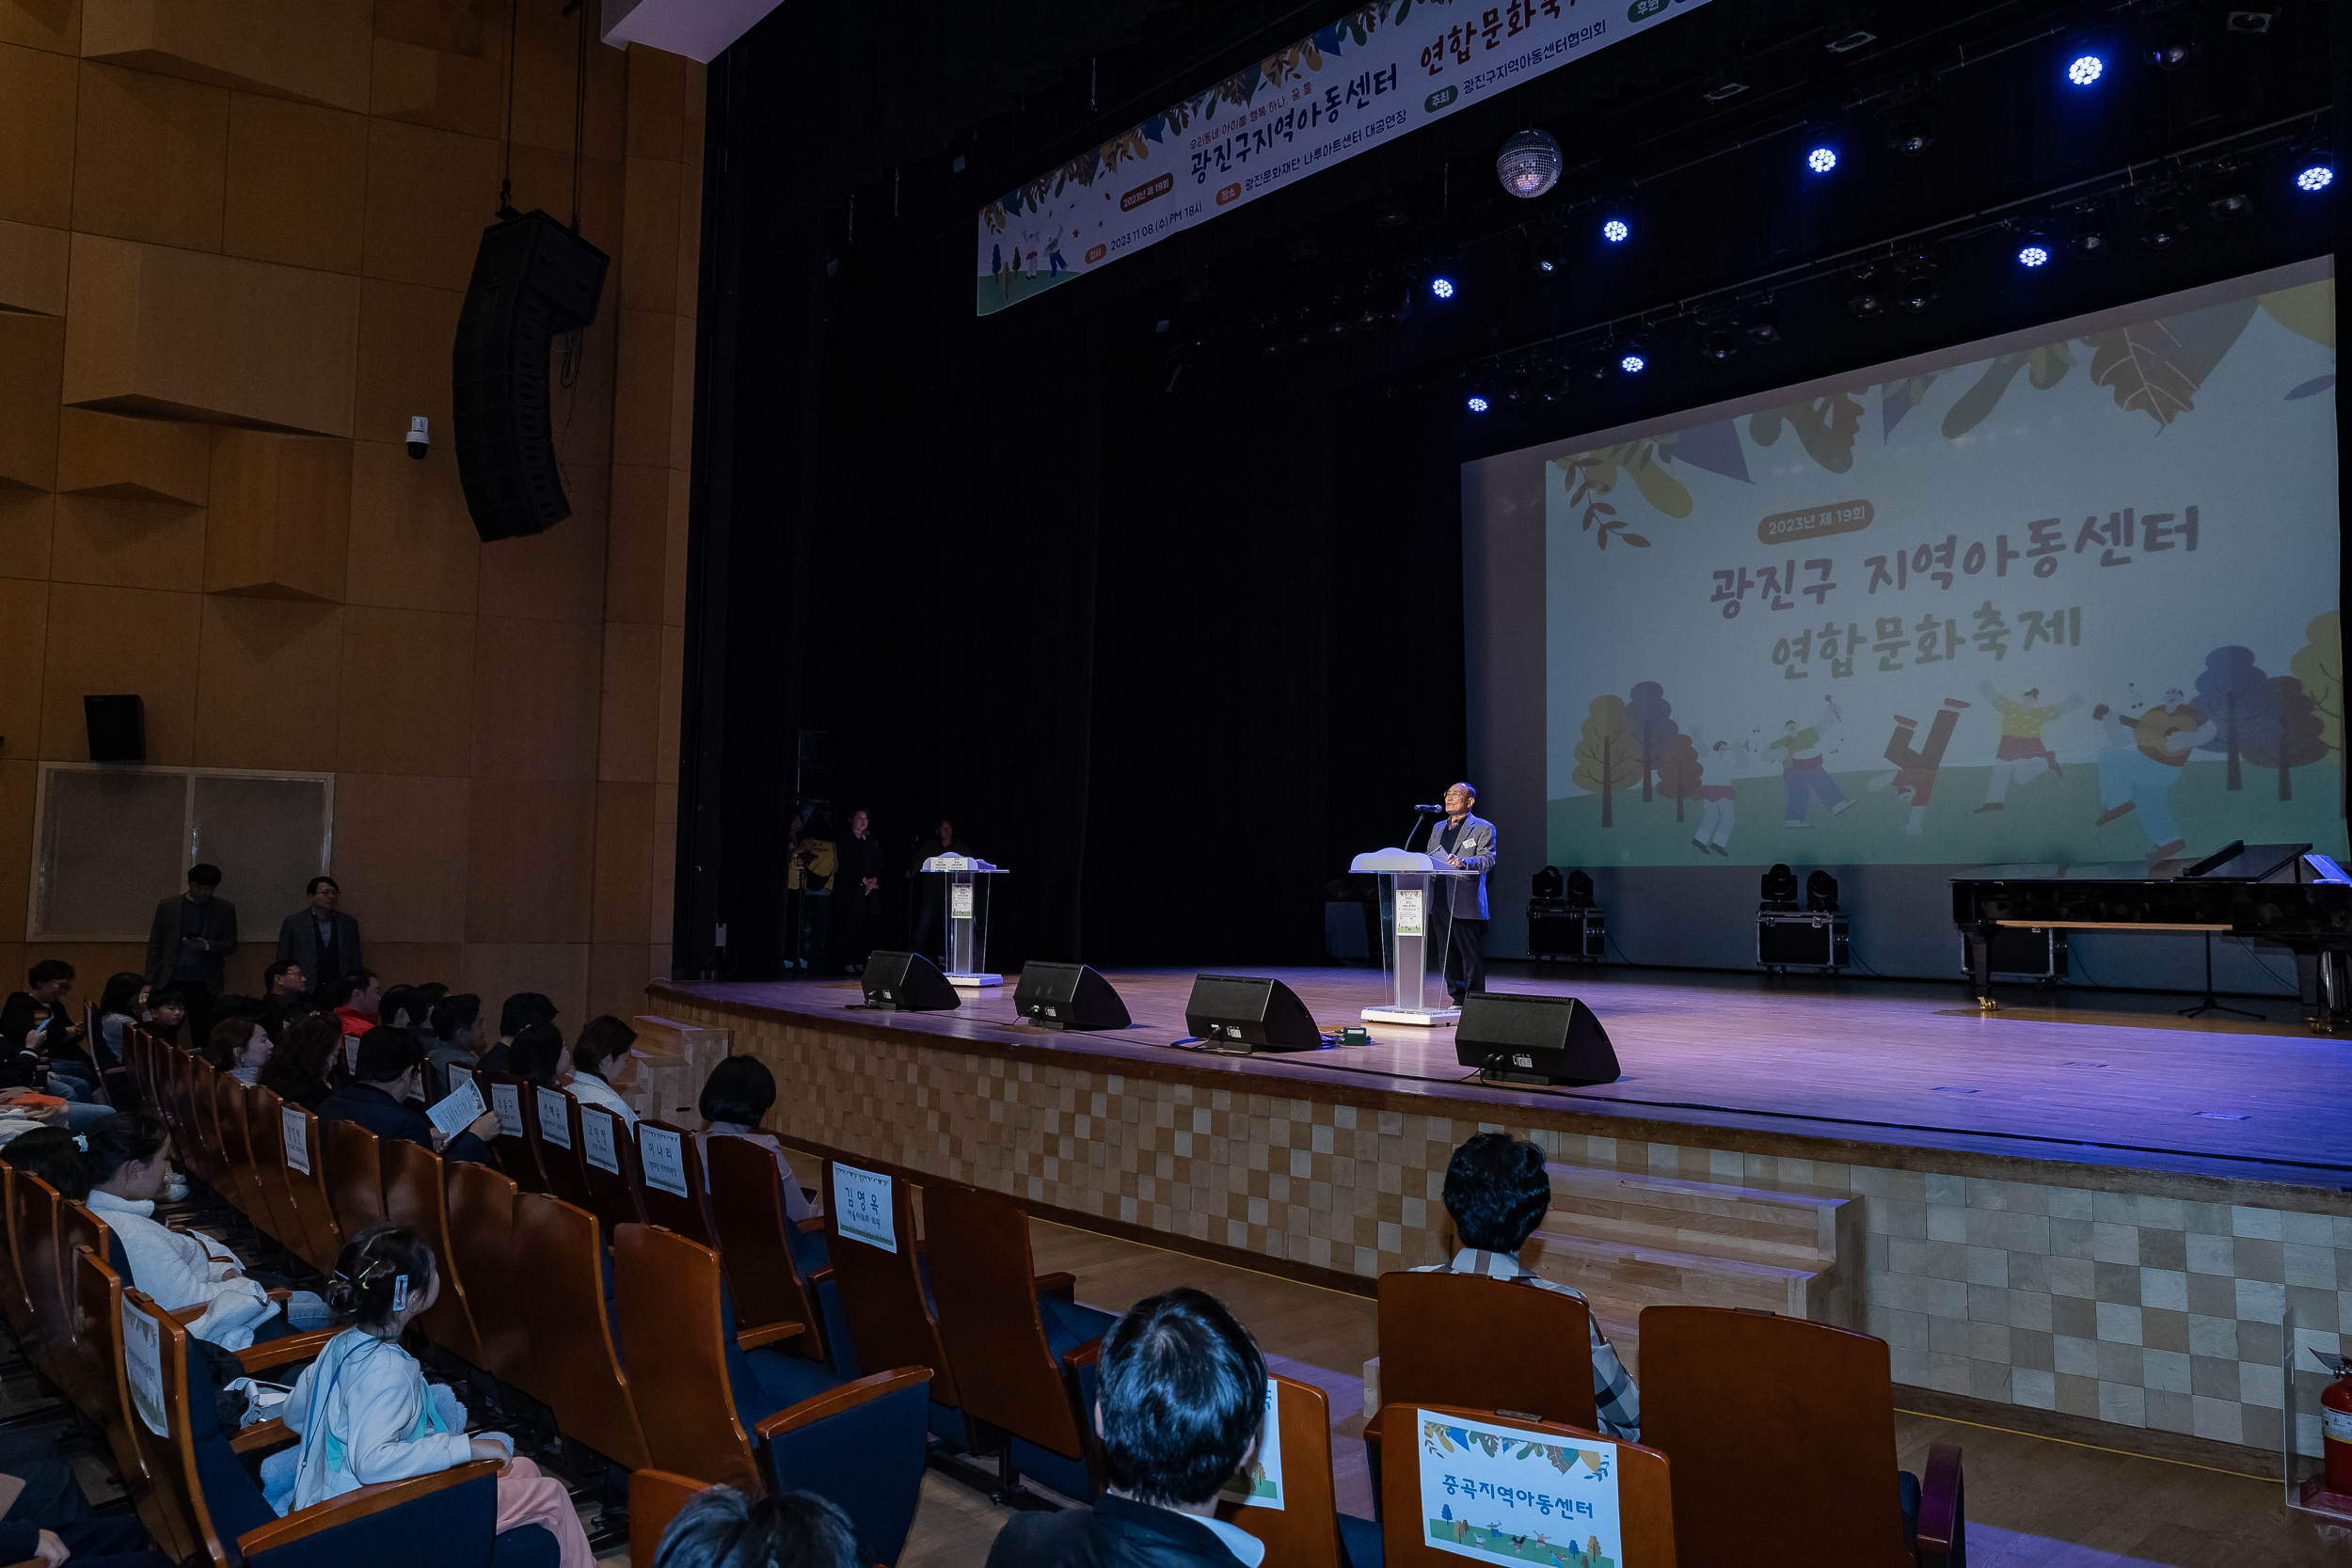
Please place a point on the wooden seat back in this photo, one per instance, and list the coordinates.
(616, 1196)
(98, 1292)
(517, 1151)
(482, 1241)
(313, 1203)
(1721, 1388)
(655, 1499)
(1304, 1532)
(78, 1228)
(1427, 1358)
(1645, 1513)
(554, 1116)
(243, 1170)
(561, 1253)
(354, 1178)
(672, 1330)
(202, 1111)
(413, 1195)
(687, 1212)
(756, 1240)
(169, 1462)
(16, 1303)
(984, 1283)
(266, 1135)
(882, 1294)
(36, 1206)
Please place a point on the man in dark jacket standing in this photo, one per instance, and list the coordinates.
(320, 938)
(1182, 1400)
(192, 935)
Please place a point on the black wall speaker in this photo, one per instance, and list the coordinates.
(534, 279)
(1533, 1039)
(1068, 996)
(1251, 1010)
(906, 983)
(117, 728)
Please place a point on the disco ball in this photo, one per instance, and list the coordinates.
(1529, 163)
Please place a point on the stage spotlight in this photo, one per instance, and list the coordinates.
(1615, 231)
(2168, 55)
(1478, 405)
(2034, 252)
(1720, 346)
(1442, 287)
(1546, 260)
(2317, 177)
(1392, 211)
(2163, 228)
(1913, 133)
(1633, 364)
(1821, 894)
(1529, 163)
(2089, 243)
(2230, 208)
(1914, 284)
(1764, 326)
(2086, 69)
(1777, 889)
(1821, 158)
(1867, 303)
(1597, 368)
(2248, 22)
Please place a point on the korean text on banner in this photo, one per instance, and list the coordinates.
(1381, 71)
(1483, 1489)
(664, 1155)
(861, 1206)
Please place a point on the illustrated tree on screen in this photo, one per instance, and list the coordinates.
(2232, 692)
(1679, 772)
(1654, 731)
(2287, 736)
(2319, 665)
(1607, 755)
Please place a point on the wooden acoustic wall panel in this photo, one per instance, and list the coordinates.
(400, 854)
(267, 683)
(297, 183)
(32, 358)
(107, 639)
(24, 630)
(18, 783)
(280, 515)
(150, 157)
(312, 50)
(133, 459)
(32, 267)
(155, 330)
(37, 92)
(51, 24)
(435, 88)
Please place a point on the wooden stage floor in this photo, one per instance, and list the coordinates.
(2098, 1080)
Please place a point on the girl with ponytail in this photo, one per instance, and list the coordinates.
(126, 1166)
(365, 1415)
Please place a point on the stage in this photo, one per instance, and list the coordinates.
(2081, 1204)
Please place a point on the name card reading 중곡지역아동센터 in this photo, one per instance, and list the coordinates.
(1259, 1485)
(861, 1206)
(1486, 1490)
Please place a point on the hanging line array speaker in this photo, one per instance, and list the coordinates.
(534, 280)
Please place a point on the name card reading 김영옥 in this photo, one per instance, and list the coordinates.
(861, 1206)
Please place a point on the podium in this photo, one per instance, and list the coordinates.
(967, 917)
(1416, 926)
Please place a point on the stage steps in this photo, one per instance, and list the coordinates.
(1630, 1239)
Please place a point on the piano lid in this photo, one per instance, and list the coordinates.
(2255, 863)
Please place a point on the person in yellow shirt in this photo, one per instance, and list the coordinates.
(2022, 754)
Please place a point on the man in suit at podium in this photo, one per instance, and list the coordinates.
(1465, 843)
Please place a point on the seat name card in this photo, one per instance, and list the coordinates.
(297, 1139)
(555, 1119)
(861, 1206)
(664, 1154)
(1489, 1491)
(509, 1099)
(597, 1139)
(1259, 1485)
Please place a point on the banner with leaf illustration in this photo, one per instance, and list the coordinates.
(1378, 73)
(2073, 600)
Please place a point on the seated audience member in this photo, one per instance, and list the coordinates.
(403, 1005)
(365, 1415)
(431, 990)
(166, 1013)
(1180, 1407)
(1497, 1193)
(49, 1517)
(457, 1038)
(117, 1009)
(599, 1056)
(736, 1099)
(518, 1013)
(536, 1056)
(390, 1072)
(720, 1527)
(42, 1006)
(354, 998)
(239, 1047)
(126, 1167)
(285, 993)
(51, 1153)
(296, 1070)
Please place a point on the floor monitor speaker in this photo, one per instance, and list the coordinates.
(534, 280)
(1253, 1010)
(906, 983)
(1068, 996)
(117, 728)
(1533, 1039)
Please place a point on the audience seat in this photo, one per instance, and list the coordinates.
(1427, 1359)
(354, 1178)
(414, 1195)
(1307, 1531)
(1022, 1349)
(33, 1211)
(248, 1192)
(311, 1208)
(756, 1242)
(1724, 1388)
(655, 1499)
(1645, 1513)
(200, 1111)
(16, 1301)
(482, 1244)
(686, 1213)
(887, 1304)
(617, 1198)
(554, 1119)
(98, 1290)
(518, 1152)
(559, 1278)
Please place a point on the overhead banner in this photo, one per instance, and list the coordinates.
(1378, 73)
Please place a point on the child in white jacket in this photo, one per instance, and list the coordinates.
(365, 1415)
(126, 1164)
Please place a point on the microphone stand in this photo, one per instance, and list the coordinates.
(1420, 814)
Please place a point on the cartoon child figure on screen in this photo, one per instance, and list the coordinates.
(1803, 774)
(2022, 755)
(1719, 762)
(2140, 761)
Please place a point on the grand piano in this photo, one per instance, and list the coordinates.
(2276, 896)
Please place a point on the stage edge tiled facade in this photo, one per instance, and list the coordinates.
(2144, 1311)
